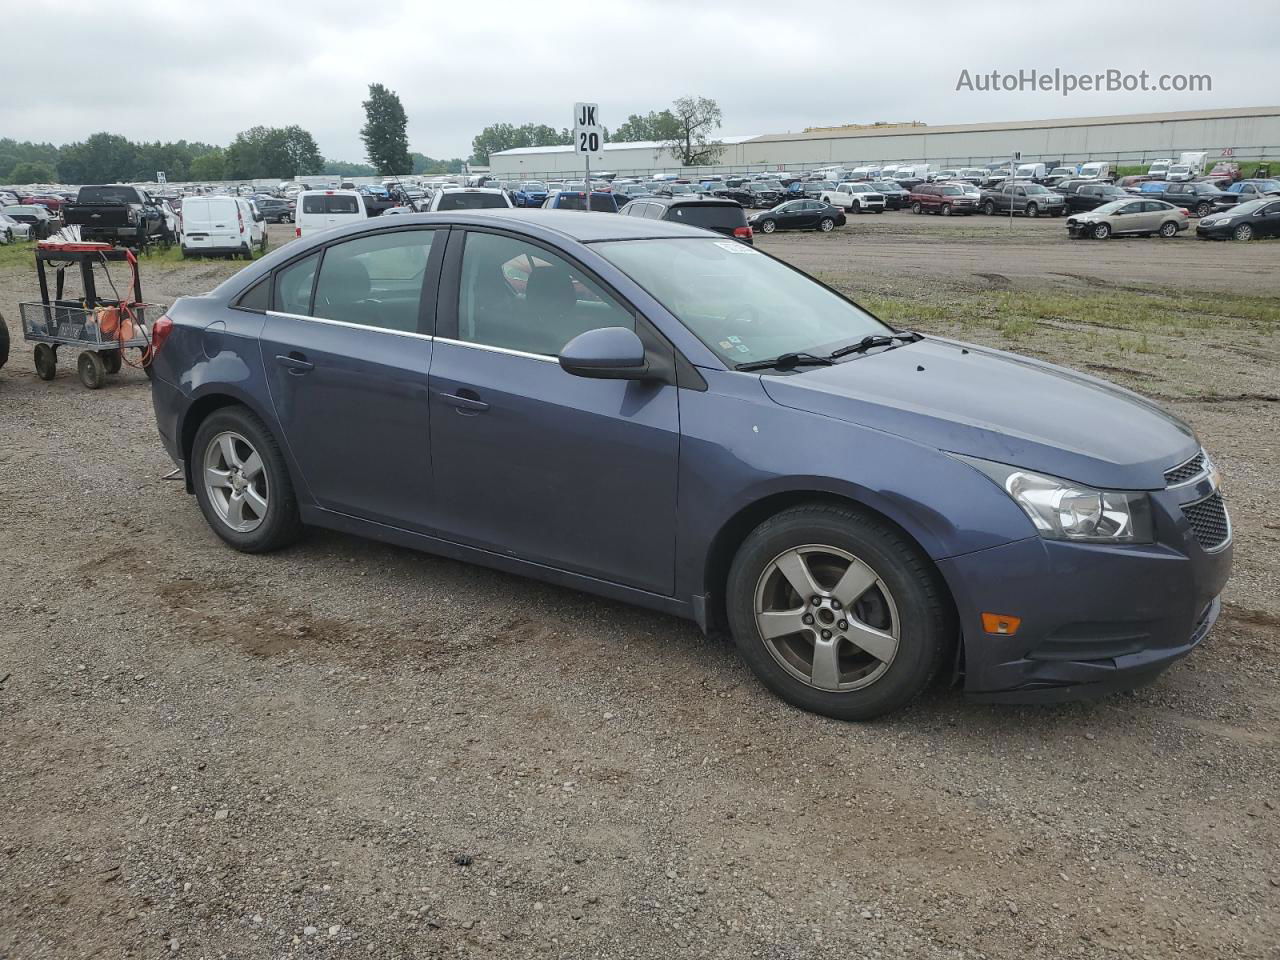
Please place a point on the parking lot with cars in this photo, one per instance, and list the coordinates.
(351, 748)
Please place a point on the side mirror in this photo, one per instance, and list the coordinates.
(609, 353)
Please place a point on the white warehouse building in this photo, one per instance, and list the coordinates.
(1245, 134)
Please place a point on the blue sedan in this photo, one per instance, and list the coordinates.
(658, 414)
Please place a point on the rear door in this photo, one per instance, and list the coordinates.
(347, 350)
(1267, 220)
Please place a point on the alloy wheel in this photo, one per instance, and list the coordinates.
(236, 482)
(1243, 232)
(827, 618)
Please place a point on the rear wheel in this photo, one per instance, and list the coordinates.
(241, 482)
(838, 612)
(4, 342)
(1204, 209)
(1168, 229)
(111, 360)
(46, 358)
(826, 224)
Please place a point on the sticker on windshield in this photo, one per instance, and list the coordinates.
(733, 246)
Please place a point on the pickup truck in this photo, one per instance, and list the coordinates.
(1030, 199)
(115, 213)
(855, 198)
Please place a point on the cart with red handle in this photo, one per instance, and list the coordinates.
(101, 328)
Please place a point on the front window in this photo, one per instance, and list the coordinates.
(518, 296)
(742, 304)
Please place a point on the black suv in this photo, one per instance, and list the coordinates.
(711, 213)
(1199, 199)
(1082, 195)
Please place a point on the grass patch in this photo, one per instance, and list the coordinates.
(1016, 313)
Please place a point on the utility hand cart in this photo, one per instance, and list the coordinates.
(100, 328)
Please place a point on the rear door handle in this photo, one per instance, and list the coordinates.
(295, 363)
(465, 404)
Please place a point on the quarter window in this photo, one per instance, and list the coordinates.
(518, 296)
(293, 286)
(257, 297)
(375, 281)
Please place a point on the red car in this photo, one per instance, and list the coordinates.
(46, 200)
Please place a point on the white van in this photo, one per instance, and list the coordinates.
(322, 209)
(222, 226)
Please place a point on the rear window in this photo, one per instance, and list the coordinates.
(108, 195)
(330, 203)
(471, 201)
(708, 215)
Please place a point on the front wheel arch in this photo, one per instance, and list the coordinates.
(729, 538)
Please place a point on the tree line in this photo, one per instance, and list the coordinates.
(686, 130)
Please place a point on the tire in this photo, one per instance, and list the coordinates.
(989, 208)
(112, 361)
(1101, 231)
(904, 612)
(768, 226)
(946, 210)
(184, 252)
(265, 520)
(917, 207)
(1242, 232)
(826, 224)
(91, 369)
(46, 358)
(262, 247)
(1033, 211)
(4, 342)
(1204, 209)
(1168, 229)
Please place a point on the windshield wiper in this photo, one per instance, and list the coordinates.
(787, 361)
(874, 340)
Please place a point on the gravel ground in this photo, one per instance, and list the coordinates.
(351, 750)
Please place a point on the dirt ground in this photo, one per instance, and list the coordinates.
(351, 750)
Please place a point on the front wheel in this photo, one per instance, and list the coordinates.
(838, 612)
(1243, 232)
(826, 224)
(1101, 231)
(946, 209)
(46, 360)
(92, 370)
(768, 226)
(917, 207)
(241, 482)
(989, 209)
(1033, 211)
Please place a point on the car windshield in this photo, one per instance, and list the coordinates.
(1248, 207)
(742, 304)
(471, 201)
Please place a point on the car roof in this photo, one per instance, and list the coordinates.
(685, 200)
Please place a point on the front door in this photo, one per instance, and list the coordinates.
(347, 352)
(531, 461)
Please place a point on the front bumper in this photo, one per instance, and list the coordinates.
(1218, 231)
(1095, 618)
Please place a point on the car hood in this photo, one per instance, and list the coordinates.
(999, 406)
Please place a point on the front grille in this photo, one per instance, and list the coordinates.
(1209, 522)
(1185, 471)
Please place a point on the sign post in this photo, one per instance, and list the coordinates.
(588, 137)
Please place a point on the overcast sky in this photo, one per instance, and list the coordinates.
(205, 70)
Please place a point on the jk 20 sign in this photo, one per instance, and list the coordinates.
(588, 134)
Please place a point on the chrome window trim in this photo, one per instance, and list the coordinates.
(352, 326)
(493, 349)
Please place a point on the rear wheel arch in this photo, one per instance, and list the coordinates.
(731, 535)
(200, 410)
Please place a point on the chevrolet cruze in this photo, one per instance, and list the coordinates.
(658, 414)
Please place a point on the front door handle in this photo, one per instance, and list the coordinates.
(295, 363)
(465, 404)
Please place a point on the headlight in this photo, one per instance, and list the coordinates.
(1063, 510)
